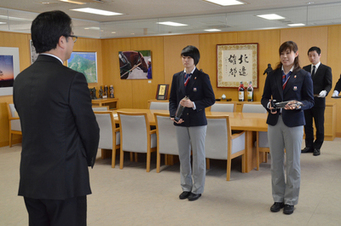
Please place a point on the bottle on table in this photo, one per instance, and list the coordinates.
(241, 92)
(250, 92)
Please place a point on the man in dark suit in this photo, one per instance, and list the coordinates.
(322, 80)
(191, 127)
(60, 132)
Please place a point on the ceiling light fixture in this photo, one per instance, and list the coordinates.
(170, 23)
(296, 25)
(92, 28)
(271, 16)
(212, 30)
(73, 2)
(225, 2)
(97, 11)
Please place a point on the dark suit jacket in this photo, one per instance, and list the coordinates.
(322, 80)
(338, 85)
(199, 90)
(299, 87)
(60, 132)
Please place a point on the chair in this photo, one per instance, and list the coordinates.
(109, 134)
(154, 105)
(223, 107)
(262, 143)
(166, 138)
(14, 126)
(136, 135)
(221, 144)
(102, 108)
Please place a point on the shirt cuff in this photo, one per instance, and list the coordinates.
(194, 107)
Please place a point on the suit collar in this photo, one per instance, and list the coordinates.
(49, 57)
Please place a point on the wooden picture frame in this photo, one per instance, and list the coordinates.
(236, 63)
(162, 92)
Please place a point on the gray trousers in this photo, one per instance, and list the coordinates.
(192, 138)
(280, 137)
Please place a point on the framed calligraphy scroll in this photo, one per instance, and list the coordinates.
(236, 63)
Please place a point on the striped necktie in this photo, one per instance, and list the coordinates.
(187, 77)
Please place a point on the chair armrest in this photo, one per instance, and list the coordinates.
(13, 118)
(235, 135)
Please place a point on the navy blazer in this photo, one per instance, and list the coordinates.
(59, 128)
(299, 87)
(322, 80)
(199, 90)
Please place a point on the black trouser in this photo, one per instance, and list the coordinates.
(51, 212)
(318, 114)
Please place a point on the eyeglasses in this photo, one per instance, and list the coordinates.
(74, 37)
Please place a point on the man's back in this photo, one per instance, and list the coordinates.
(60, 132)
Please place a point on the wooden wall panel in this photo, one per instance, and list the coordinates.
(334, 47)
(306, 38)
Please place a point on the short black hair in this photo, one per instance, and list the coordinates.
(191, 51)
(47, 28)
(315, 48)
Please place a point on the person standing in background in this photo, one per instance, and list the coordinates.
(288, 82)
(60, 133)
(322, 81)
(191, 128)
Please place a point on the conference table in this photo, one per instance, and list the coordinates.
(248, 122)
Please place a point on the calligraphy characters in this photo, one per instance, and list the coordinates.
(241, 61)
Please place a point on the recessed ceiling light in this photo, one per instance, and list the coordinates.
(271, 17)
(73, 2)
(212, 30)
(296, 25)
(170, 23)
(2, 22)
(97, 11)
(92, 28)
(225, 2)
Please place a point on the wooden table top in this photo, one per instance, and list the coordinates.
(238, 120)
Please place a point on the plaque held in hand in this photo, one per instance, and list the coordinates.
(179, 110)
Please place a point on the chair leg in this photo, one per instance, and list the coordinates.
(207, 164)
(158, 160)
(113, 157)
(148, 160)
(131, 156)
(121, 158)
(228, 169)
(136, 159)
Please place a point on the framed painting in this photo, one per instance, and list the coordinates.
(236, 63)
(135, 64)
(9, 69)
(86, 63)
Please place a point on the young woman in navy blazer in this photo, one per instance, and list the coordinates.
(288, 82)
